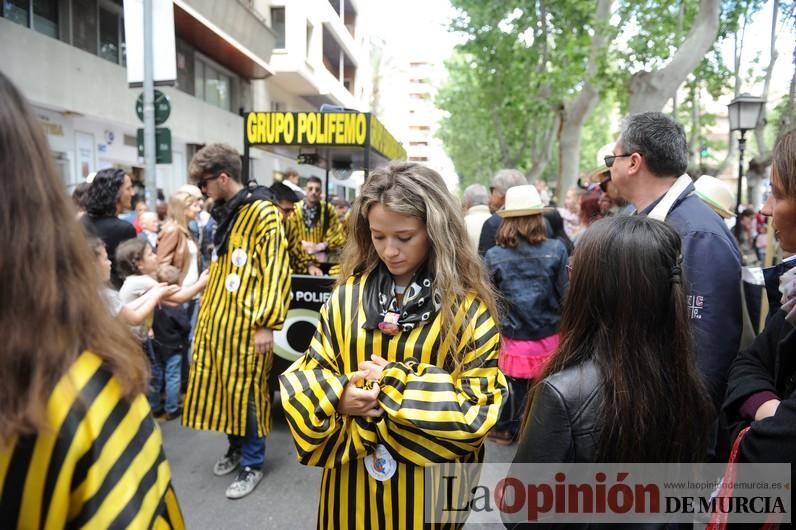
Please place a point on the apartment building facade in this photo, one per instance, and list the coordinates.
(69, 57)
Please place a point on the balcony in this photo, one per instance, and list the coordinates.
(230, 32)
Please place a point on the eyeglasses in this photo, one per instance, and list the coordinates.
(609, 159)
(287, 210)
(202, 184)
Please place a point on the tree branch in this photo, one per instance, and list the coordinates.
(649, 91)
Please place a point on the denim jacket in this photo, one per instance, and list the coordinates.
(532, 280)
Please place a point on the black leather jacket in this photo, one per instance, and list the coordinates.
(563, 427)
(563, 421)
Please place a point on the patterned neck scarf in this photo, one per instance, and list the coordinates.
(419, 305)
(310, 214)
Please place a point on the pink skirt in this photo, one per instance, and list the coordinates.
(525, 359)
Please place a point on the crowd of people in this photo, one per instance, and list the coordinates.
(608, 330)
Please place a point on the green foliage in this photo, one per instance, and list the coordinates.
(522, 60)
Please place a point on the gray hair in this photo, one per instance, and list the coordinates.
(475, 194)
(659, 139)
(507, 178)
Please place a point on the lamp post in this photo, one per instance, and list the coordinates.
(744, 113)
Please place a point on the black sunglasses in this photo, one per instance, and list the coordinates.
(202, 184)
(609, 159)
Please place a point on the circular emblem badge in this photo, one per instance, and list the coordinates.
(381, 465)
(239, 257)
(232, 283)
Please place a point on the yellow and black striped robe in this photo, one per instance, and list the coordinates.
(431, 415)
(100, 466)
(333, 235)
(225, 368)
(299, 260)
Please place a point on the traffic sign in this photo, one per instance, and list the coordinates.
(162, 144)
(162, 107)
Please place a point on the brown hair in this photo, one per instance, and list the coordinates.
(531, 228)
(784, 161)
(168, 274)
(96, 245)
(642, 344)
(49, 281)
(414, 190)
(129, 255)
(214, 159)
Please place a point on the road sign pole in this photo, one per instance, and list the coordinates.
(149, 110)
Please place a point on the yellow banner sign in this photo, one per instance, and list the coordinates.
(306, 128)
(383, 142)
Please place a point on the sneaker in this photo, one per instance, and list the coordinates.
(227, 463)
(245, 483)
(172, 415)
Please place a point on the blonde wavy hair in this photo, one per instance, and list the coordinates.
(179, 202)
(412, 189)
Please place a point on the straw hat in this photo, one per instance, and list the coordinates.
(522, 200)
(716, 194)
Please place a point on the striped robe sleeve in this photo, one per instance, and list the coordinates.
(335, 236)
(274, 267)
(311, 389)
(299, 259)
(436, 416)
(101, 466)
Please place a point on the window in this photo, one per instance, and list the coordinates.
(185, 66)
(212, 85)
(84, 25)
(17, 11)
(110, 37)
(41, 15)
(278, 26)
(45, 17)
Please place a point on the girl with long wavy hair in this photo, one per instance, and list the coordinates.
(72, 375)
(402, 371)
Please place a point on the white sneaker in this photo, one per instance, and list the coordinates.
(245, 483)
(227, 463)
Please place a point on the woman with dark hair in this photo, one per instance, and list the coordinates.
(556, 223)
(110, 194)
(761, 389)
(623, 385)
(589, 212)
(75, 429)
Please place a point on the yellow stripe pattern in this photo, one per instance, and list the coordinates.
(100, 464)
(239, 298)
(333, 235)
(433, 412)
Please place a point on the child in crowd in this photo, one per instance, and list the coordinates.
(137, 265)
(170, 329)
(529, 270)
(149, 228)
(135, 311)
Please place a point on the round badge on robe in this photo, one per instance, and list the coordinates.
(214, 256)
(232, 283)
(381, 465)
(239, 257)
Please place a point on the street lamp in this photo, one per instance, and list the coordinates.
(744, 114)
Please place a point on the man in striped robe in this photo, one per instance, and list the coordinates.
(317, 223)
(246, 299)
